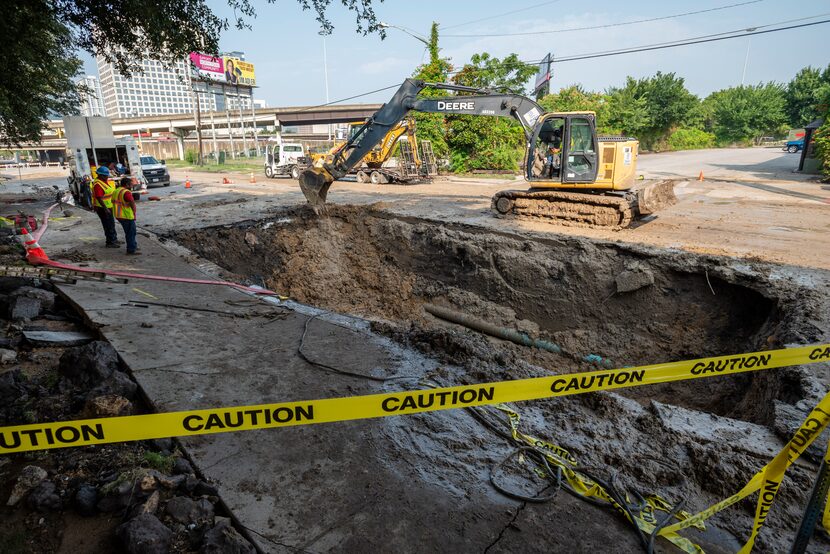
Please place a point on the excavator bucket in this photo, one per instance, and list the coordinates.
(315, 185)
(655, 196)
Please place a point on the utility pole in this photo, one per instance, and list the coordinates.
(198, 126)
(253, 118)
(242, 122)
(324, 34)
(213, 131)
(228, 117)
(194, 95)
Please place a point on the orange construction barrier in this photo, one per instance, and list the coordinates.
(253, 179)
(187, 184)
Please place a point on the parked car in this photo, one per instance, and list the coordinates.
(155, 172)
(793, 146)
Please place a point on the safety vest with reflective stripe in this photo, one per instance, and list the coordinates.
(106, 200)
(120, 207)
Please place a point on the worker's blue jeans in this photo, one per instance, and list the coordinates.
(129, 234)
(108, 223)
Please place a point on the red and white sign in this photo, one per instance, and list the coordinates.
(207, 68)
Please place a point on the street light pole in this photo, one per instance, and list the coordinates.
(324, 34)
(383, 25)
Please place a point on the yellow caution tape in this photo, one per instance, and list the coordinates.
(588, 488)
(768, 479)
(41, 436)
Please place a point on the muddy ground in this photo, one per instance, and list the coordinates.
(695, 441)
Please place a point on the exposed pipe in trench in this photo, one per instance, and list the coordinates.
(489, 329)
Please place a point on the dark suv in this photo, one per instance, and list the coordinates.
(155, 172)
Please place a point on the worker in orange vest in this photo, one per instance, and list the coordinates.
(102, 191)
(123, 208)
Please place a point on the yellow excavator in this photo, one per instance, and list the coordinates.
(416, 160)
(576, 176)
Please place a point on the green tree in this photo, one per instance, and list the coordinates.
(804, 95)
(36, 70)
(627, 113)
(431, 126)
(488, 142)
(576, 99)
(653, 106)
(486, 72)
(41, 37)
(743, 114)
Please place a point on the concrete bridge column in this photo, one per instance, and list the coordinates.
(179, 133)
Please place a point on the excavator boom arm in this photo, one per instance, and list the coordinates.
(316, 182)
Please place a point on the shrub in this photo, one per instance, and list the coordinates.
(822, 146)
(690, 139)
(191, 156)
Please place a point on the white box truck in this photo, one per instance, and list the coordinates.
(90, 143)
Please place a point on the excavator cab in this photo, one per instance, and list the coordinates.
(563, 149)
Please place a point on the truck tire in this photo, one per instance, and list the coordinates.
(269, 172)
(378, 178)
(362, 177)
(295, 172)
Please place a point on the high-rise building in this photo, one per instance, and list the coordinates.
(161, 90)
(92, 102)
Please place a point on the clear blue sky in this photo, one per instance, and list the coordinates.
(288, 52)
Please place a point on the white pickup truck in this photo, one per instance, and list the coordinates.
(284, 158)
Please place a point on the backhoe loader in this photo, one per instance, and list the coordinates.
(415, 160)
(575, 176)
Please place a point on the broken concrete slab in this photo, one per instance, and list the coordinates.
(58, 338)
(23, 307)
(46, 298)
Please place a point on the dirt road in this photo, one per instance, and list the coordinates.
(752, 207)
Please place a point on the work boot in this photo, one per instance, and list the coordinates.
(113, 245)
(136, 253)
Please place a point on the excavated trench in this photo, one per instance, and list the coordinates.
(622, 304)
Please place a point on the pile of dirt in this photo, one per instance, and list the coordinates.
(131, 497)
(605, 304)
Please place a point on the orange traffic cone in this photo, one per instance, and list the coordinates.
(226, 181)
(187, 184)
(253, 179)
(700, 177)
(34, 253)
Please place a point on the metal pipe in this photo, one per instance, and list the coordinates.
(490, 329)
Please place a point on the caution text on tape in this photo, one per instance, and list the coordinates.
(39, 436)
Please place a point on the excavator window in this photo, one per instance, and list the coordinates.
(547, 150)
(581, 158)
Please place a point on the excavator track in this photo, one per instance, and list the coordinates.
(614, 211)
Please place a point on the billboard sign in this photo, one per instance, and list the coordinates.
(543, 76)
(239, 72)
(207, 68)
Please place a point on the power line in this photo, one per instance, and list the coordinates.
(350, 98)
(749, 31)
(687, 42)
(606, 26)
(502, 15)
(633, 49)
